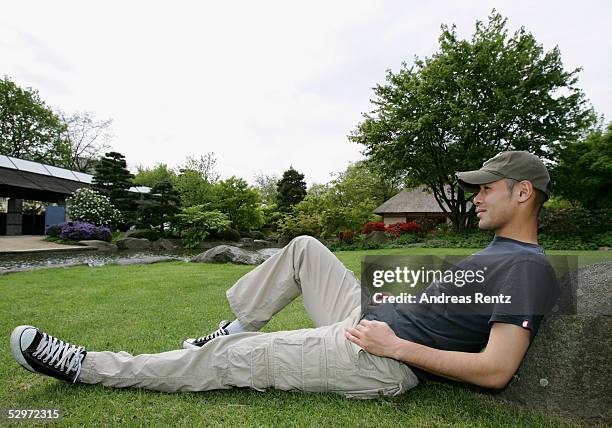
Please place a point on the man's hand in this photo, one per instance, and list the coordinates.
(375, 337)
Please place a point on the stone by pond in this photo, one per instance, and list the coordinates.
(11, 263)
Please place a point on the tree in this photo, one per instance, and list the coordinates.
(112, 179)
(151, 176)
(291, 189)
(88, 139)
(347, 201)
(193, 189)
(29, 129)
(469, 101)
(267, 185)
(205, 165)
(584, 173)
(241, 203)
(161, 205)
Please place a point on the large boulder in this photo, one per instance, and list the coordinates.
(164, 244)
(231, 254)
(567, 367)
(134, 244)
(143, 260)
(99, 245)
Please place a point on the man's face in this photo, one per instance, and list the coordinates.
(495, 205)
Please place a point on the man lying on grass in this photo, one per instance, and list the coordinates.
(386, 352)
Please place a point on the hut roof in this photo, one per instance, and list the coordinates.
(416, 200)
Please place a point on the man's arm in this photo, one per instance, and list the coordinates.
(491, 368)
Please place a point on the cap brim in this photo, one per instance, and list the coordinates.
(470, 181)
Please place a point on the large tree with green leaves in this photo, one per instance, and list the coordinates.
(240, 202)
(467, 102)
(151, 176)
(584, 172)
(291, 189)
(28, 127)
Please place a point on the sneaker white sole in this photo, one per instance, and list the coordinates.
(16, 346)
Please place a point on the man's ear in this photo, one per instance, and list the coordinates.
(525, 190)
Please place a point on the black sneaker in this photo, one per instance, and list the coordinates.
(201, 341)
(40, 352)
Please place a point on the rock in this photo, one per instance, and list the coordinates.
(376, 236)
(150, 234)
(207, 245)
(163, 244)
(246, 242)
(260, 243)
(604, 248)
(134, 244)
(417, 245)
(143, 260)
(99, 245)
(567, 367)
(229, 253)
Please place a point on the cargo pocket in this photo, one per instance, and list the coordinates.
(369, 394)
(299, 364)
(248, 367)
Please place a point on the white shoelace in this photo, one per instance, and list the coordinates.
(219, 332)
(66, 357)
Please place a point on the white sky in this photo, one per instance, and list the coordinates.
(263, 84)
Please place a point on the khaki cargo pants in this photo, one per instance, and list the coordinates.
(317, 359)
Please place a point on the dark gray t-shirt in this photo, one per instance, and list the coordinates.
(513, 268)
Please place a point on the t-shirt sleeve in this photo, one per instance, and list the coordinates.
(531, 286)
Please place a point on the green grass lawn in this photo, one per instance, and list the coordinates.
(151, 308)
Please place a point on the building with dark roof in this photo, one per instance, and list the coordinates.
(22, 179)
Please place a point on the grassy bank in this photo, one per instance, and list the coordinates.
(151, 308)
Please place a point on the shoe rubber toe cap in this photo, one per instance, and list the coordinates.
(21, 339)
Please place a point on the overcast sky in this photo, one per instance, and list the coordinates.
(262, 84)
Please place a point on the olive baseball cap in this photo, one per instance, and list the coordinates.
(518, 165)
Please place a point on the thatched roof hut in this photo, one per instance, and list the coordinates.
(410, 204)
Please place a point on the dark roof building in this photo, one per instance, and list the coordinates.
(23, 179)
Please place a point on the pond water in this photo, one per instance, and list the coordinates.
(93, 258)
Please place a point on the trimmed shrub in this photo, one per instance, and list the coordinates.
(372, 226)
(398, 229)
(80, 231)
(53, 231)
(575, 221)
(407, 238)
